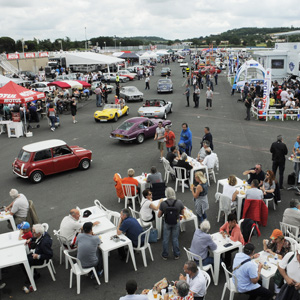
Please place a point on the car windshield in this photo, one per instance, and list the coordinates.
(126, 125)
(24, 156)
(163, 81)
(132, 89)
(109, 106)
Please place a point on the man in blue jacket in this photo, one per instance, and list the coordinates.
(185, 142)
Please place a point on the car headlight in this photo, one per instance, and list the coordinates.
(110, 115)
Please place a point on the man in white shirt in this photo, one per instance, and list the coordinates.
(284, 96)
(254, 192)
(210, 159)
(195, 278)
(131, 288)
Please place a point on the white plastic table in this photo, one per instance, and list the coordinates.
(266, 274)
(2, 124)
(96, 213)
(220, 241)
(222, 182)
(6, 216)
(10, 239)
(197, 166)
(108, 245)
(104, 226)
(142, 182)
(14, 256)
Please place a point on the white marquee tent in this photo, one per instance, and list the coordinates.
(147, 55)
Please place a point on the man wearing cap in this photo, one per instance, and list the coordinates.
(88, 251)
(18, 208)
(25, 232)
(291, 215)
(247, 274)
(70, 225)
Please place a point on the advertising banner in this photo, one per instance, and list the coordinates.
(13, 56)
(29, 55)
(43, 54)
(267, 89)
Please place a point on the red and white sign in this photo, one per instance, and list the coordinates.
(13, 56)
(29, 55)
(43, 54)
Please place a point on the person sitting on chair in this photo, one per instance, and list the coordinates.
(254, 192)
(154, 177)
(147, 207)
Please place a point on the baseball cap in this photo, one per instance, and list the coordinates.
(23, 225)
(86, 213)
(276, 234)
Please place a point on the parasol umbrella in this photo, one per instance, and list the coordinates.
(60, 84)
(70, 84)
(13, 93)
(84, 83)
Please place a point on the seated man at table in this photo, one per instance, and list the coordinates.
(131, 180)
(154, 177)
(255, 173)
(202, 153)
(18, 208)
(88, 251)
(70, 226)
(171, 156)
(195, 278)
(210, 159)
(202, 242)
(291, 215)
(247, 274)
(131, 228)
(131, 288)
(254, 192)
(41, 246)
(182, 163)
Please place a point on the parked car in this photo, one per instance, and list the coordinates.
(95, 84)
(42, 87)
(165, 71)
(111, 112)
(112, 77)
(28, 75)
(165, 86)
(49, 157)
(183, 64)
(155, 108)
(137, 129)
(126, 73)
(131, 93)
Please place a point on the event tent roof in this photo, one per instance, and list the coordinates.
(129, 55)
(90, 58)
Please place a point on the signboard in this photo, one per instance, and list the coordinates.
(267, 89)
(29, 55)
(43, 54)
(13, 56)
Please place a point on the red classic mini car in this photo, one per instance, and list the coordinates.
(49, 157)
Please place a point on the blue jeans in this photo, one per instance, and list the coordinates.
(99, 100)
(208, 261)
(174, 231)
(168, 149)
(201, 218)
(52, 119)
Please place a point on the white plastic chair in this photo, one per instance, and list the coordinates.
(167, 168)
(229, 284)
(192, 218)
(207, 278)
(293, 242)
(143, 248)
(180, 174)
(49, 265)
(114, 217)
(212, 173)
(192, 256)
(135, 214)
(46, 227)
(100, 206)
(288, 228)
(223, 199)
(77, 270)
(64, 244)
(127, 190)
(270, 200)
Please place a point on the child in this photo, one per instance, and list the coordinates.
(25, 231)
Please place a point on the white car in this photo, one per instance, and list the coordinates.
(183, 64)
(42, 87)
(126, 73)
(131, 93)
(180, 60)
(155, 108)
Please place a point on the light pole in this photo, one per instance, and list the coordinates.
(61, 47)
(120, 45)
(105, 46)
(85, 39)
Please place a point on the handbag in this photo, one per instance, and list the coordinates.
(278, 279)
(153, 235)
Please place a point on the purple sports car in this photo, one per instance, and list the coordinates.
(138, 129)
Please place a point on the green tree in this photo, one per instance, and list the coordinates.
(7, 44)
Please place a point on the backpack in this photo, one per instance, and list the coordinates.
(171, 214)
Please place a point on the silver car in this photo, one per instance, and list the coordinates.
(112, 77)
(95, 84)
(131, 93)
(165, 86)
(155, 108)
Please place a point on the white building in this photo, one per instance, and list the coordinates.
(284, 60)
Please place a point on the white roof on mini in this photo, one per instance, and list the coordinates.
(43, 145)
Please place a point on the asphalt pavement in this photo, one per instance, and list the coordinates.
(239, 144)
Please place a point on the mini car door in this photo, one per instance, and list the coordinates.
(64, 159)
(42, 161)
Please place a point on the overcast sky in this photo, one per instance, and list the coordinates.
(169, 19)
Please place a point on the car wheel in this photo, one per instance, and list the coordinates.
(127, 112)
(85, 164)
(116, 118)
(165, 115)
(96, 120)
(141, 99)
(171, 110)
(36, 176)
(140, 138)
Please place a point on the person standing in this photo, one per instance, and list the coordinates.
(73, 104)
(187, 94)
(279, 151)
(105, 92)
(296, 152)
(197, 96)
(248, 103)
(98, 93)
(185, 142)
(169, 138)
(171, 209)
(216, 78)
(183, 71)
(207, 137)
(187, 70)
(147, 81)
(159, 137)
(52, 115)
(209, 97)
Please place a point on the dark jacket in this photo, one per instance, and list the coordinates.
(208, 137)
(43, 247)
(278, 150)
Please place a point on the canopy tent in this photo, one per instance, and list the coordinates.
(4, 80)
(126, 55)
(90, 58)
(147, 55)
(70, 84)
(117, 54)
(162, 52)
(12, 93)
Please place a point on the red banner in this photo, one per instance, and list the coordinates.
(43, 54)
(13, 56)
(29, 55)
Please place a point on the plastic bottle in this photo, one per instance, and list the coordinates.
(276, 257)
(170, 290)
